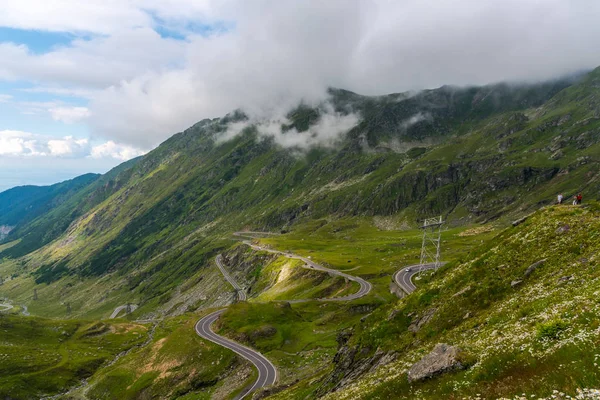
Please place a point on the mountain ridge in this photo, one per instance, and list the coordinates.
(479, 151)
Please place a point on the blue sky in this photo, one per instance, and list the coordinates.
(36, 40)
(86, 85)
(74, 77)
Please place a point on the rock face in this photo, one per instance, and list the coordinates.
(351, 363)
(418, 323)
(443, 358)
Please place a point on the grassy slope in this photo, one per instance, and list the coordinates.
(41, 357)
(536, 337)
(370, 249)
(176, 363)
(300, 339)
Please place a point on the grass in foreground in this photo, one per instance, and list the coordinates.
(176, 364)
(42, 357)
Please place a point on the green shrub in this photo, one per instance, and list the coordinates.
(551, 329)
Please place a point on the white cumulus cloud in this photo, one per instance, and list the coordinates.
(68, 146)
(114, 150)
(25, 144)
(69, 115)
(18, 143)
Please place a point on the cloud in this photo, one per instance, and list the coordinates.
(17, 143)
(144, 111)
(58, 110)
(326, 132)
(143, 87)
(100, 16)
(415, 119)
(29, 145)
(94, 63)
(69, 115)
(68, 146)
(111, 149)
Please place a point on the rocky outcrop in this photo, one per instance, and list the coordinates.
(418, 322)
(352, 362)
(443, 358)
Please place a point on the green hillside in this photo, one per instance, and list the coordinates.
(147, 233)
(21, 204)
(41, 357)
(525, 330)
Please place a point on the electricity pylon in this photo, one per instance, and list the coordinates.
(432, 239)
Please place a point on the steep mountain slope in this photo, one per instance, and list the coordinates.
(473, 154)
(43, 218)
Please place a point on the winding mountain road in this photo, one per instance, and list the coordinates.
(267, 373)
(5, 307)
(403, 278)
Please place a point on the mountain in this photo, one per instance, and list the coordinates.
(347, 181)
(21, 204)
(41, 214)
(472, 154)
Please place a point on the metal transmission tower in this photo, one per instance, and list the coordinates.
(432, 239)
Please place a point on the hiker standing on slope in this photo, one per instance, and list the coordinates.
(560, 198)
(579, 198)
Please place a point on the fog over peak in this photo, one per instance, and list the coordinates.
(267, 56)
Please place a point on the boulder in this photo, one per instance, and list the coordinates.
(564, 279)
(443, 358)
(515, 283)
(533, 267)
(519, 221)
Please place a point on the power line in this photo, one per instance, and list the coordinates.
(432, 240)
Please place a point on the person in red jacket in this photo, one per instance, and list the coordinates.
(579, 198)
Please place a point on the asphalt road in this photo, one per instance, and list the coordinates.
(403, 278)
(5, 307)
(121, 308)
(241, 293)
(267, 373)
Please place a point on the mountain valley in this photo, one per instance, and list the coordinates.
(345, 185)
